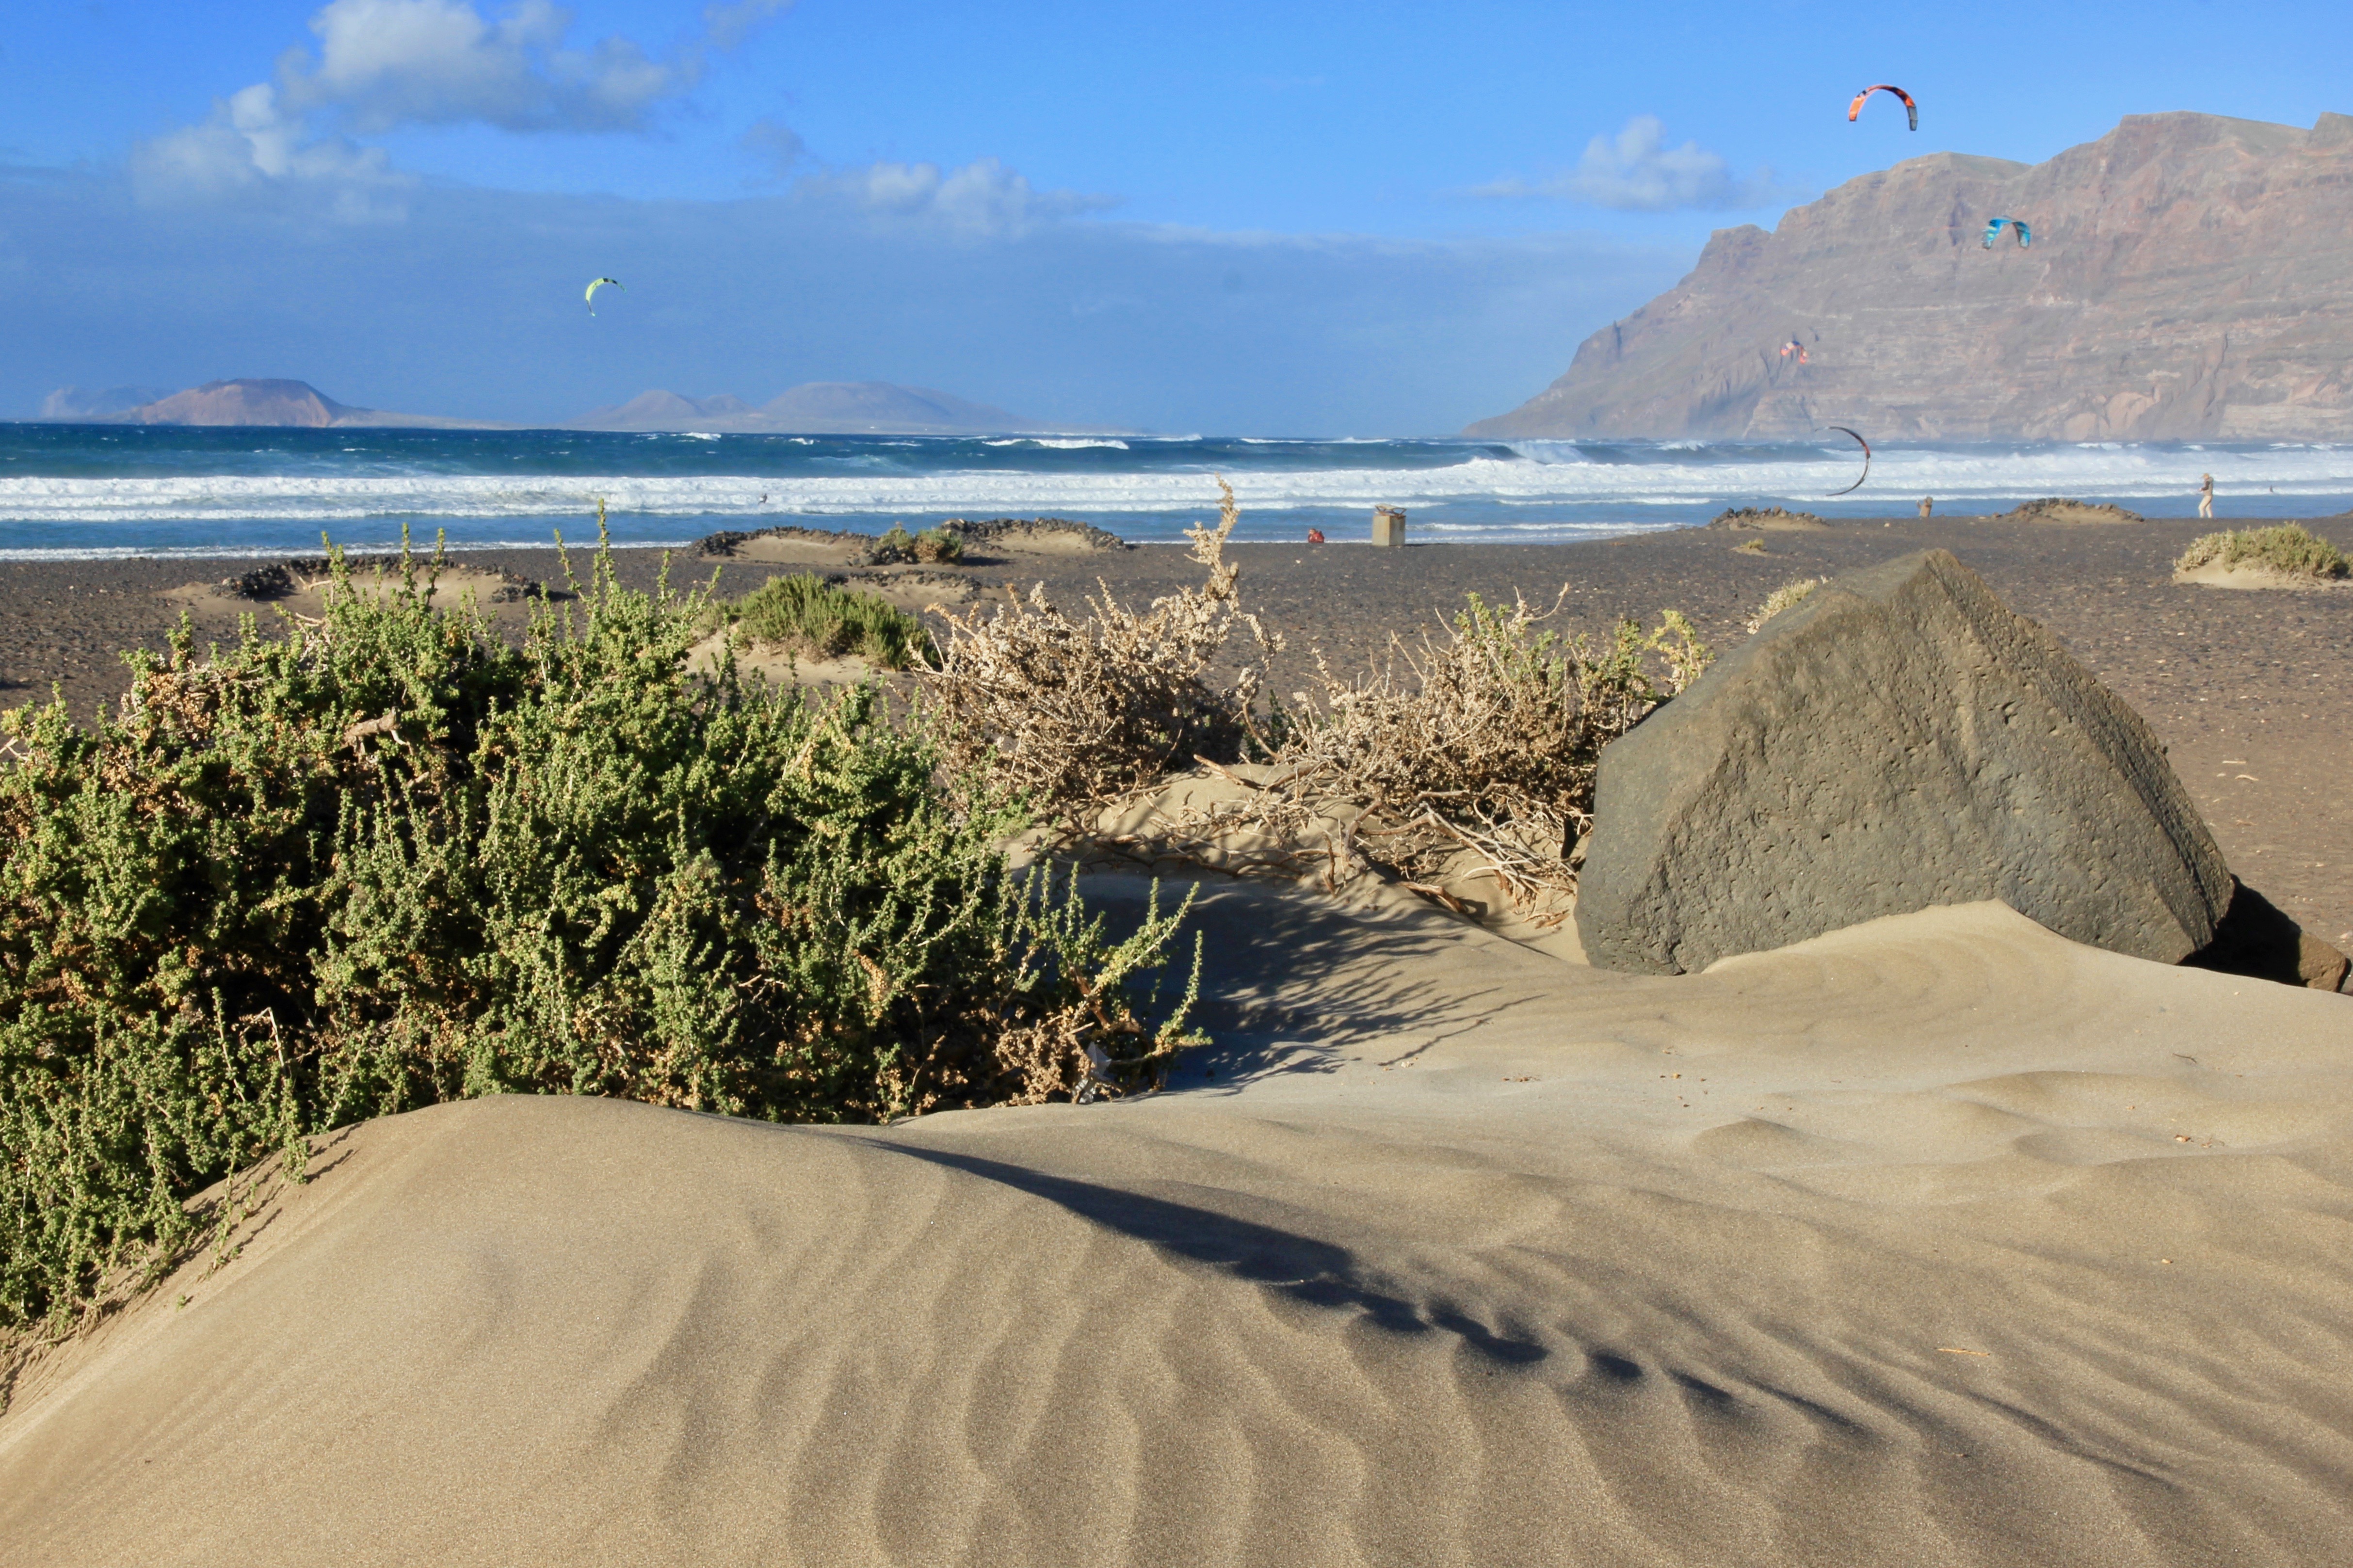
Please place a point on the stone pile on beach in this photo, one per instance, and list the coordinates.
(1772, 518)
(1055, 533)
(1002, 536)
(2060, 509)
(308, 574)
(1898, 740)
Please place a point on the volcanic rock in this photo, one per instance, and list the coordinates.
(2257, 938)
(1771, 518)
(2058, 509)
(1899, 739)
(2188, 279)
(1035, 535)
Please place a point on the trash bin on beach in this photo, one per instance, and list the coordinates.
(1389, 525)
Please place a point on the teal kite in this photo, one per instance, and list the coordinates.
(599, 283)
(2025, 235)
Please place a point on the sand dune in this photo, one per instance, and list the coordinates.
(1939, 1240)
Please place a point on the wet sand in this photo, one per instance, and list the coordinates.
(2252, 692)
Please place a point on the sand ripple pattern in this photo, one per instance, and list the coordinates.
(1445, 1265)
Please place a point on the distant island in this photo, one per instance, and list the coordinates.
(243, 400)
(2188, 279)
(812, 408)
(76, 404)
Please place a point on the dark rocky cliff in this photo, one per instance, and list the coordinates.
(2190, 276)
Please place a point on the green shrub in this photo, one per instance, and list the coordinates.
(810, 616)
(2290, 548)
(940, 545)
(386, 860)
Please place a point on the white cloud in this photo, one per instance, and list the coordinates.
(248, 144)
(382, 63)
(385, 63)
(984, 198)
(726, 25)
(1636, 171)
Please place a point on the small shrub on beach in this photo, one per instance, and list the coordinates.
(933, 546)
(1486, 739)
(385, 859)
(1074, 714)
(2291, 548)
(810, 615)
(1780, 599)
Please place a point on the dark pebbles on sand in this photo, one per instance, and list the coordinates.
(2252, 692)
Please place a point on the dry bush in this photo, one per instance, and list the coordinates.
(1484, 739)
(1478, 748)
(1076, 714)
(1780, 599)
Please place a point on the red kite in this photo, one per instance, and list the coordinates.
(1854, 109)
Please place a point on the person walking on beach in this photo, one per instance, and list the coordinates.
(2206, 498)
(1928, 505)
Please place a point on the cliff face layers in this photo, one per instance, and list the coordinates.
(2190, 276)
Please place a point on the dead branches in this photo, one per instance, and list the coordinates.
(1080, 713)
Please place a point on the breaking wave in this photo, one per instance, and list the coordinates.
(76, 490)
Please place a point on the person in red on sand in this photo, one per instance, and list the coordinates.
(1314, 536)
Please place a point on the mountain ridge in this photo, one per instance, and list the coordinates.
(265, 401)
(812, 408)
(2188, 279)
(820, 407)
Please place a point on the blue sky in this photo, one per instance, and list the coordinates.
(1262, 218)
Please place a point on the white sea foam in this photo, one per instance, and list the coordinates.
(1058, 443)
(1528, 490)
(1541, 474)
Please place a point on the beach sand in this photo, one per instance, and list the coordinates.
(1935, 1241)
(1938, 1240)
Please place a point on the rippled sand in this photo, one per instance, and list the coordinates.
(1939, 1240)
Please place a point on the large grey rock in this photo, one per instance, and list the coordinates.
(1899, 739)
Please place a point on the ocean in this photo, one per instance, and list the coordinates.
(85, 491)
